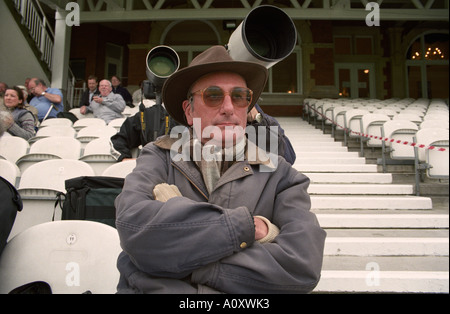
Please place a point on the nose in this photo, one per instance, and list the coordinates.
(227, 106)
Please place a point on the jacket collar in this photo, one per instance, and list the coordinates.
(253, 154)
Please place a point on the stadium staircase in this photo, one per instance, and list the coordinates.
(381, 238)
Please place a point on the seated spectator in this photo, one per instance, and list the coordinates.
(3, 88)
(29, 107)
(107, 106)
(48, 101)
(20, 122)
(90, 92)
(119, 89)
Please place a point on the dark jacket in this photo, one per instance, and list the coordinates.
(140, 129)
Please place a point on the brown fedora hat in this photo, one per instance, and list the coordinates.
(214, 59)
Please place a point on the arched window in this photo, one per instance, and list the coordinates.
(427, 63)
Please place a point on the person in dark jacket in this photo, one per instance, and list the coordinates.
(117, 88)
(90, 92)
(208, 211)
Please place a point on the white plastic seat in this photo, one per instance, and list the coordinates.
(409, 117)
(77, 113)
(100, 154)
(432, 124)
(13, 147)
(402, 131)
(54, 130)
(353, 121)
(129, 112)
(438, 160)
(387, 111)
(117, 123)
(82, 123)
(72, 256)
(120, 169)
(371, 125)
(54, 147)
(89, 133)
(39, 186)
(444, 118)
(55, 122)
(9, 171)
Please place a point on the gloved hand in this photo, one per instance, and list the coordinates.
(163, 192)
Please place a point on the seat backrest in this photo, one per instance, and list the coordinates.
(72, 256)
(13, 147)
(371, 124)
(82, 123)
(77, 113)
(432, 124)
(408, 116)
(63, 147)
(99, 146)
(95, 131)
(353, 117)
(9, 171)
(54, 130)
(52, 174)
(427, 136)
(339, 116)
(116, 123)
(120, 169)
(396, 125)
(387, 111)
(400, 130)
(437, 116)
(439, 160)
(55, 122)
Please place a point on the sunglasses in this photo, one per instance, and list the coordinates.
(213, 96)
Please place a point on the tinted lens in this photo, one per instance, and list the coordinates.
(213, 96)
(241, 97)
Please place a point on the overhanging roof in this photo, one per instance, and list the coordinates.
(159, 10)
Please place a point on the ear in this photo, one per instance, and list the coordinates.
(188, 112)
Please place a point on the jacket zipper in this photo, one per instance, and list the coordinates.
(184, 174)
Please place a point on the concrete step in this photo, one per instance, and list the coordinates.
(329, 160)
(361, 189)
(299, 149)
(335, 168)
(374, 178)
(374, 281)
(370, 202)
(382, 246)
(327, 154)
(384, 221)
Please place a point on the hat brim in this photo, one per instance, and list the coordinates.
(176, 87)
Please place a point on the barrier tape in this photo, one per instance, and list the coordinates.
(376, 137)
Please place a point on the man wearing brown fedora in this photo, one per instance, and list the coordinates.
(206, 210)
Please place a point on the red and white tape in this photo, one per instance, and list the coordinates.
(375, 137)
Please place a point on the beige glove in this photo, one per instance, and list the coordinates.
(163, 192)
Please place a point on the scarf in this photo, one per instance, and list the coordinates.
(213, 161)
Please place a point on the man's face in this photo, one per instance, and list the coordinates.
(35, 89)
(227, 119)
(104, 88)
(92, 85)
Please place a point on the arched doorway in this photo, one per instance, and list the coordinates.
(427, 64)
